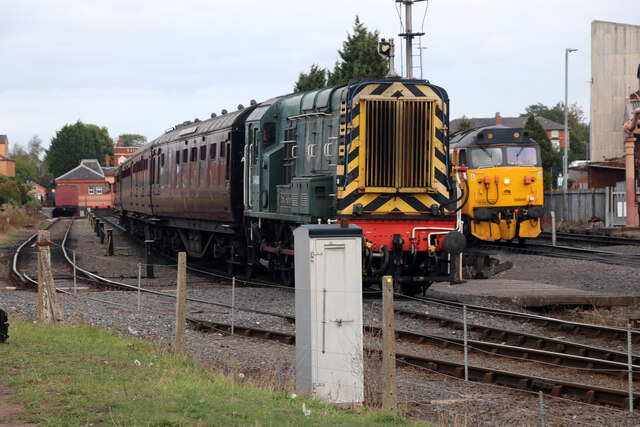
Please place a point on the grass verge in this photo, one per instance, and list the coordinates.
(88, 375)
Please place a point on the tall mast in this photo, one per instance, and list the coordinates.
(408, 35)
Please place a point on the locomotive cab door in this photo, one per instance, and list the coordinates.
(252, 165)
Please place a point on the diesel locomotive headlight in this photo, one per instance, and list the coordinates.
(507, 181)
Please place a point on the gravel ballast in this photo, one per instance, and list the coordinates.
(422, 394)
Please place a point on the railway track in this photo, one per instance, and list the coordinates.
(589, 239)
(511, 344)
(570, 252)
(575, 328)
(587, 393)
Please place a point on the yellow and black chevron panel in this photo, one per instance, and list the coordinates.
(395, 149)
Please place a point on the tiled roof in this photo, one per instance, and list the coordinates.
(92, 164)
(79, 173)
(512, 122)
(3, 139)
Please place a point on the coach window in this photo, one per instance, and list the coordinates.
(177, 181)
(212, 151)
(161, 177)
(185, 168)
(203, 159)
(228, 149)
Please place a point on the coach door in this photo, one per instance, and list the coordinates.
(154, 179)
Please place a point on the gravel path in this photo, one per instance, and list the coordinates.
(423, 394)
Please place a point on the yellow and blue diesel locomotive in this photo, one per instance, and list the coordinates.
(233, 188)
(506, 189)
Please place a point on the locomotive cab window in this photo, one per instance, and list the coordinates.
(462, 160)
(268, 137)
(522, 156)
(485, 157)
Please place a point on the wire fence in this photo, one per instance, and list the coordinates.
(233, 302)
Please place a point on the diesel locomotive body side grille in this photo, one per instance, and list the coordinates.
(398, 146)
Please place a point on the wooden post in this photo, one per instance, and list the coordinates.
(48, 308)
(181, 296)
(389, 396)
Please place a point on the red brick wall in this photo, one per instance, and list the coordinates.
(601, 177)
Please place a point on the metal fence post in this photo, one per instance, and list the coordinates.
(139, 287)
(233, 304)
(466, 356)
(110, 241)
(630, 362)
(541, 408)
(553, 228)
(148, 258)
(75, 286)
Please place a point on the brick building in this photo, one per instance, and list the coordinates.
(121, 153)
(7, 165)
(38, 191)
(84, 186)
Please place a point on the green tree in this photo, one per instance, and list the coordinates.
(133, 140)
(549, 154)
(358, 57)
(29, 167)
(12, 192)
(465, 124)
(75, 142)
(316, 79)
(26, 170)
(578, 129)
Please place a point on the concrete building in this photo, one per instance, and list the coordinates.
(615, 56)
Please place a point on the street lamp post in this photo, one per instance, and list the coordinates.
(565, 159)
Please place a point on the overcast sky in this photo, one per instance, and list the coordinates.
(144, 66)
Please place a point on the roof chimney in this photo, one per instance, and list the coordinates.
(120, 141)
(498, 118)
(107, 159)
